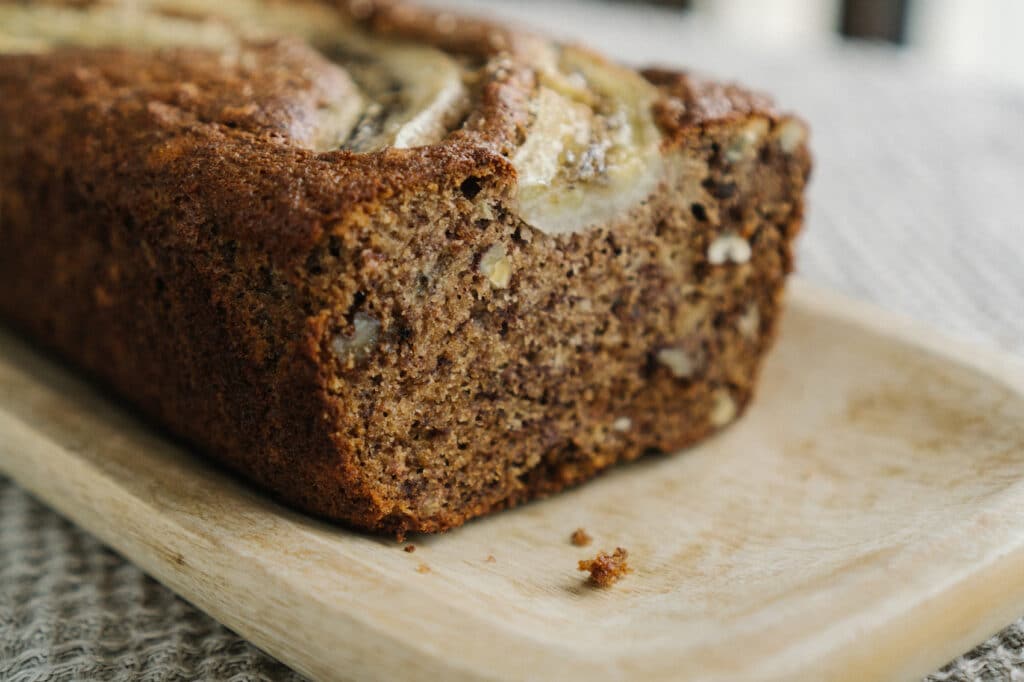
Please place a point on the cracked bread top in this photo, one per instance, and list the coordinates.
(288, 121)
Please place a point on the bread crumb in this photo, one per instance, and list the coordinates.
(423, 568)
(490, 559)
(606, 569)
(410, 548)
(581, 538)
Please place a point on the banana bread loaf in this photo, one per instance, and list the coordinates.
(398, 267)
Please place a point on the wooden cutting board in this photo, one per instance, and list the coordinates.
(864, 521)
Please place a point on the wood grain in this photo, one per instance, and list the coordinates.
(865, 521)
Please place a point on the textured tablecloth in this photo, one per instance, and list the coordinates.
(915, 205)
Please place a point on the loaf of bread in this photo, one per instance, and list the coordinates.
(398, 267)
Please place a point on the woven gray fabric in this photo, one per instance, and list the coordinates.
(912, 207)
(71, 609)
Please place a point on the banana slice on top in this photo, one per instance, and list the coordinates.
(416, 94)
(592, 149)
(408, 95)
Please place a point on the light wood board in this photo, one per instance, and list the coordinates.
(865, 521)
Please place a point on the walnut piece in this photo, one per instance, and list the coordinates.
(729, 248)
(360, 343)
(744, 145)
(724, 409)
(622, 424)
(681, 363)
(791, 134)
(495, 266)
(749, 323)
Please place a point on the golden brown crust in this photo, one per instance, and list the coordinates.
(213, 136)
(688, 101)
(449, 31)
(170, 227)
(246, 123)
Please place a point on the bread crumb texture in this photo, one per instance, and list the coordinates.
(581, 538)
(398, 267)
(606, 569)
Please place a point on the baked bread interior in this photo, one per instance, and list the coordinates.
(399, 267)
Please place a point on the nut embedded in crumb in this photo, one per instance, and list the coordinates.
(495, 266)
(790, 134)
(681, 363)
(581, 538)
(744, 145)
(410, 548)
(749, 323)
(729, 248)
(724, 409)
(606, 569)
(359, 344)
(485, 211)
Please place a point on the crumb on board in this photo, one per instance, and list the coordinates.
(581, 538)
(490, 559)
(410, 548)
(423, 568)
(606, 569)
